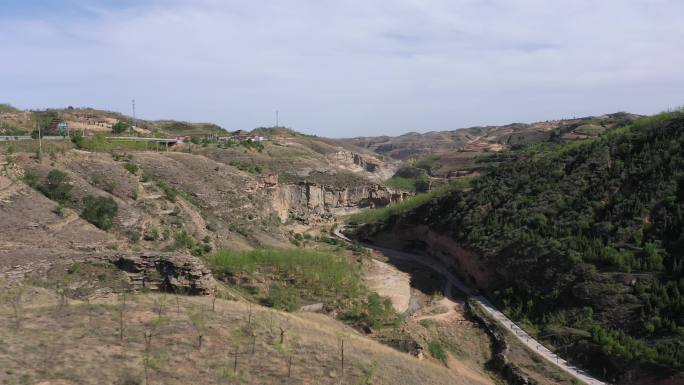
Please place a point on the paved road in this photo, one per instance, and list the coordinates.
(486, 305)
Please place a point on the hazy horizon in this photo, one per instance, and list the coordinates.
(345, 69)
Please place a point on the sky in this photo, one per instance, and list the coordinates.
(345, 68)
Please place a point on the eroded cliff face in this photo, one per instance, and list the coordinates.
(470, 266)
(318, 202)
(376, 168)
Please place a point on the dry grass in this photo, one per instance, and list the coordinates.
(79, 343)
(32, 146)
(466, 344)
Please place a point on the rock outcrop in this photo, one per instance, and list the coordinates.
(356, 159)
(305, 199)
(177, 273)
(373, 167)
(146, 271)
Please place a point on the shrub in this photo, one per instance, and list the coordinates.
(32, 179)
(253, 145)
(380, 311)
(283, 298)
(249, 167)
(429, 163)
(183, 240)
(131, 167)
(152, 235)
(59, 210)
(134, 235)
(169, 191)
(375, 311)
(57, 186)
(78, 140)
(100, 211)
(437, 350)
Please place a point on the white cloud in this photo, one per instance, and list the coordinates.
(344, 68)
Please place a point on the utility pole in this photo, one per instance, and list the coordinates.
(276, 118)
(134, 120)
(40, 143)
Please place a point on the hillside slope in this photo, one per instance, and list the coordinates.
(81, 342)
(415, 145)
(90, 120)
(583, 242)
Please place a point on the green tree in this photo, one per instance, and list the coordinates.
(653, 259)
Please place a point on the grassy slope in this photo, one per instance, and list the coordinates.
(175, 128)
(565, 228)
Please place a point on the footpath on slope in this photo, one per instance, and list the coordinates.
(486, 306)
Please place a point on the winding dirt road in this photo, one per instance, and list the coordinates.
(485, 304)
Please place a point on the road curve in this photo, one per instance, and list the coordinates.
(486, 306)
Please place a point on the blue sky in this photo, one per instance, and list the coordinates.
(347, 67)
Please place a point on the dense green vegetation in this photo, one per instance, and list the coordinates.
(131, 167)
(429, 163)
(314, 275)
(183, 240)
(56, 186)
(437, 350)
(409, 178)
(586, 240)
(120, 127)
(400, 183)
(251, 145)
(100, 211)
(250, 167)
(288, 278)
(416, 177)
